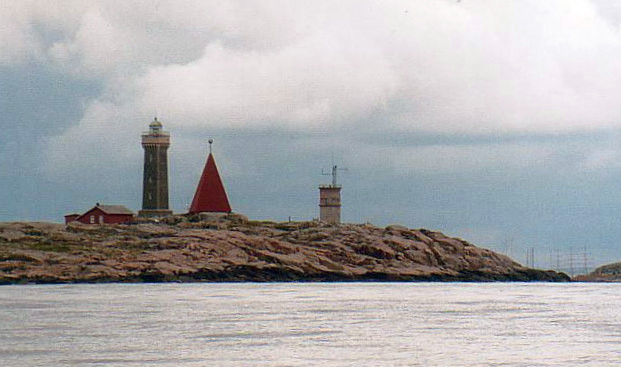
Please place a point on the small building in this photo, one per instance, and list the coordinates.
(71, 217)
(100, 214)
(330, 200)
(330, 204)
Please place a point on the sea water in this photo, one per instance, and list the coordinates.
(311, 324)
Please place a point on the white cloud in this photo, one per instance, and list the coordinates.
(17, 41)
(320, 81)
(443, 67)
(511, 67)
(98, 45)
(447, 67)
(474, 67)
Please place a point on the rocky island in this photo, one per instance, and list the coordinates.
(232, 248)
(609, 273)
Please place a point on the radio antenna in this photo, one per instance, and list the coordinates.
(334, 172)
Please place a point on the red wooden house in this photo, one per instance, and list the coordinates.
(102, 214)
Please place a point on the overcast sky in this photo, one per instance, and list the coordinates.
(495, 121)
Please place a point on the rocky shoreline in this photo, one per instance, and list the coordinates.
(230, 248)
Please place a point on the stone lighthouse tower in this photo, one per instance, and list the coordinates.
(155, 179)
(330, 201)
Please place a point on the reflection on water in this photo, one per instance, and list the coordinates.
(301, 324)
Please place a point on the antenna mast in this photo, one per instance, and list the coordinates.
(330, 198)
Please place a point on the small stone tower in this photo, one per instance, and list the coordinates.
(155, 179)
(330, 201)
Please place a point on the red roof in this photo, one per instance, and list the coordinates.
(210, 195)
(109, 210)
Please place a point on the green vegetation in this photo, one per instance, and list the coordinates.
(49, 246)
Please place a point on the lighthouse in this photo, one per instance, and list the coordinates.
(155, 178)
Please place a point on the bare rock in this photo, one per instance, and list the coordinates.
(396, 228)
(229, 247)
(11, 234)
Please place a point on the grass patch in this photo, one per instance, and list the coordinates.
(259, 223)
(49, 246)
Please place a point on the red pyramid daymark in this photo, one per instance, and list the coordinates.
(210, 195)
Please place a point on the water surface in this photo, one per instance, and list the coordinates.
(302, 324)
